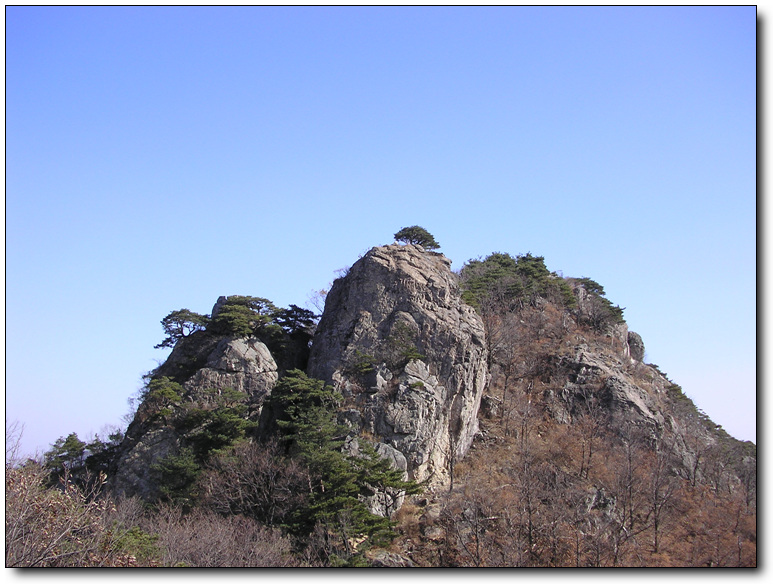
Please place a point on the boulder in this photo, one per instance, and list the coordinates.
(380, 558)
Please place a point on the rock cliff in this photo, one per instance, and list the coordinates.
(607, 377)
(408, 355)
(207, 366)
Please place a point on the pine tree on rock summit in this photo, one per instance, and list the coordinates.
(417, 236)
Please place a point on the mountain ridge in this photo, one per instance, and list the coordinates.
(485, 388)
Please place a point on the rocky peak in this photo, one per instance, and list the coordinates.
(408, 355)
(207, 366)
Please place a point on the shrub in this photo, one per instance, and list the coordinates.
(255, 480)
(360, 364)
(204, 539)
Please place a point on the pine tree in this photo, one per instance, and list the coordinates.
(181, 323)
(305, 410)
(418, 236)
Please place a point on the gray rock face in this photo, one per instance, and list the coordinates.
(397, 341)
(218, 305)
(134, 475)
(636, 346)
(243, 364)
(383, 559)
(605, 378)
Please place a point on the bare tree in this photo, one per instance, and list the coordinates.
(56, 527)
(467, 520)
(205, 539)
(629, 478)
(590, 423)
(697, 444)
(13, 435)
(662, 486)
(255, 480)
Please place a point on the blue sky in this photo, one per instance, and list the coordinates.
(157, 158)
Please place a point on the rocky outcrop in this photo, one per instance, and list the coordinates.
(380, 558)
(134, 473)
(407, 354)
(604, 378)
(635, 346)
(208, 365)
(243, 364)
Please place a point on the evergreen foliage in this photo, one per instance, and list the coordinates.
(160, 396)
(102, 452)
(211, 431)
(360, 364)
(305, 410)
(67, 456)
(377, 474)
(205, 432)
(178, 474)
(181, 323)
(294, 320)
(81, 462)
(242, 316)
(139, 544)
(602, 312)
(417, 236)
(512, 281)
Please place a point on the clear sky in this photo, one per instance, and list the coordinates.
(157, 158)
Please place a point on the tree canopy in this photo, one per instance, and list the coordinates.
(512, 281)
(244, 315)
(181, 323)
(418, 236)
(296, 320)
